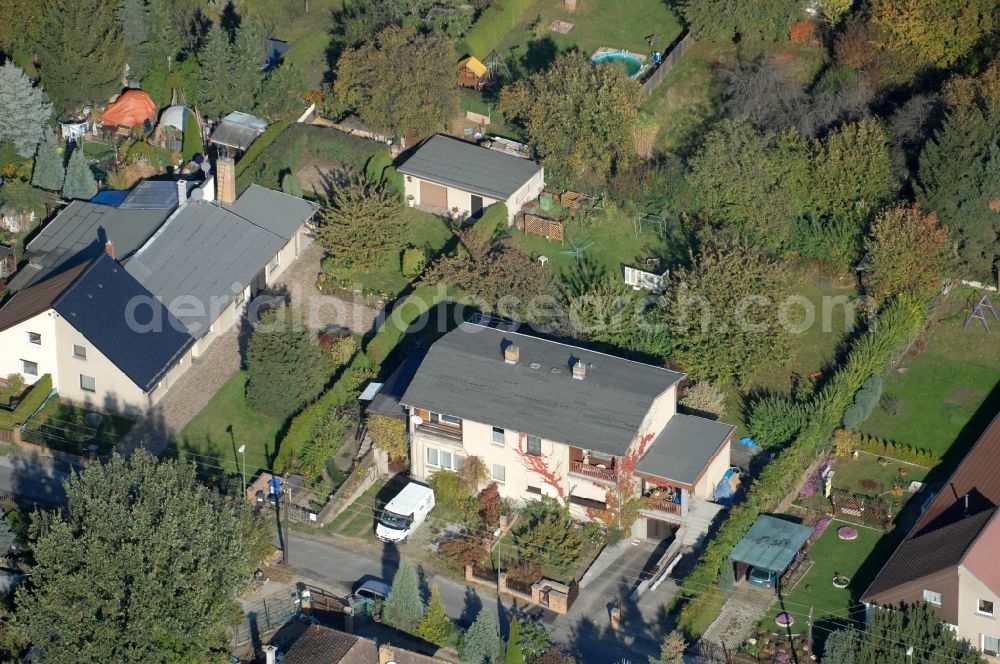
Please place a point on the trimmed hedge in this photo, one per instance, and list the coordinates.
(492, 26)
(847, 441)
(262, 143)
(32, 401)
(898, 323)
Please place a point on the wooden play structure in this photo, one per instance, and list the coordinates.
(474, 74)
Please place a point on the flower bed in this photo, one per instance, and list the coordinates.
(847, 533)
(784, 619)
(840, 581)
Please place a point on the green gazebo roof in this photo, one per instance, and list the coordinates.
(771, 544)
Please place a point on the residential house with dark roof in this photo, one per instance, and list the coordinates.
(184, 271)
(88, 328)
(460, 179)
(549, 418)
(949, 558)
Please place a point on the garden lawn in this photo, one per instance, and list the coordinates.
(611, 23)
(866, 476)
(685, 104)
(944, 385)
(307, 32)
(605, 244)
(358, 520)
(225, 423)
(812, 350)
(832, 555)
(416, 228)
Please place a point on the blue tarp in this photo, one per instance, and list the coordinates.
(724, 491)
(110, 197)
(749, 443)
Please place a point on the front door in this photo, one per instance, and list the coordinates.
(476, 207)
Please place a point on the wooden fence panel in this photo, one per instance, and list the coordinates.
(671, 57)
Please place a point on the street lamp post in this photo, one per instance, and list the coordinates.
(243, 467)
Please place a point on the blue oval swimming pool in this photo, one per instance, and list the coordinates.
(626, 61)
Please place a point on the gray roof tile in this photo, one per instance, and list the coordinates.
(684, 448)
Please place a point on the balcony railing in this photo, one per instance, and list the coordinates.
(581, 468)
(453, 434)
(665, 506)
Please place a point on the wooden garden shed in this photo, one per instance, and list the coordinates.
(474, 74)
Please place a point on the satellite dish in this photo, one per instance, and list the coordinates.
(416, 420)
(198, 194)
(206, 167)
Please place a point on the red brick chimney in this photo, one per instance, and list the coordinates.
(109, 249)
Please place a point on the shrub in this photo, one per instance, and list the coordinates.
(546, 532)
(774, 420)
(389, 435)
(126, 176)
(864, 402)
(524, 571)
(435, 626)
(340, 348)
(463, 550)
(854, 416)
(845, 442)
(705, 398)
(889, 403)
(414, 262)
(473, 473)
(449, 489)
(261, 145)
(490, 505)
(380, 171)
(141, 150)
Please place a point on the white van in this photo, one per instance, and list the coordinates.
(404, 513)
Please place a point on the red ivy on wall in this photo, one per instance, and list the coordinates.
(540, 466)
(621, 500)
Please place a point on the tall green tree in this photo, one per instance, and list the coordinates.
(246, 59)
(482, 644)
(754, 183)
(960, 180)
(577, 117)
(851, 173)
(371, 81)
(535, 640)
(403, 608)
(435, 625)
(724, 313)
(359, 225)
(281, 94)
(80, 182)
(935, 33)
(24, 110)
(286, 368)
(164, 40)
(81, 50)
(214, 58)
(49, 172)
(514, 655)
(907, 253)
(133, 16)
(142, 565)
(736, 20)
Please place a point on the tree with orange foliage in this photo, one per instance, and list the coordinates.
(908, 252)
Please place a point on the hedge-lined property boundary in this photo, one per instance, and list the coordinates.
(32, 401)
(262, 143)
(891, 332)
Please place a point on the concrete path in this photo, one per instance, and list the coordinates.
(322, 310)
(740, 615)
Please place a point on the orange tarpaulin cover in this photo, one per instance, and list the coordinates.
(132, 108)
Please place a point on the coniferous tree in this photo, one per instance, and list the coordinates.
(514, 653)
(82, 53)
(80, 182)
(482, 644)
(281, 93)
(286, 368)
(435, 626)
(164, 40)
(246, 58)
(214, 58)
(133, 16)
(49, 173)
(403, 608)
(24, 110)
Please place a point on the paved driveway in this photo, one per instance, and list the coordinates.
(740, 615)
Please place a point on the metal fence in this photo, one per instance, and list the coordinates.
(672, 56)
(268, 614)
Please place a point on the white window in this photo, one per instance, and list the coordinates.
(985, 607)
(87, 383)
(273, 263)
(534, 446)
(991, 645)
(29, 368)
(444, 459)
(498, 437)
(499, 473)
(80, 351)
(932, 597)
(34, 338)
(448, 419)
(241, 297)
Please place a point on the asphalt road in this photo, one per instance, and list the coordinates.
(39, 483)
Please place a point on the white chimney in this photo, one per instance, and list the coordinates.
(270, 654)
(579, 370)
(182, 193)
(208, 189)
